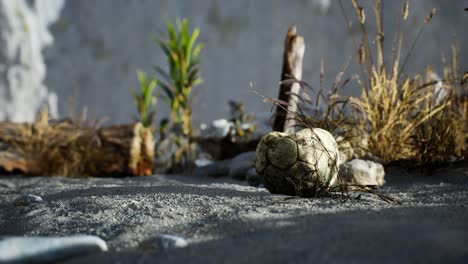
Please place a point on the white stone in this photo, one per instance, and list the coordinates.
(362, 172)
(215, 169)
(217, 129)
(164, 241)
(203, 162)
(293, 164)
(47, 249)
(240, 164)
(28, 199)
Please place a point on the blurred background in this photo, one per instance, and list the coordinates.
(75, 55)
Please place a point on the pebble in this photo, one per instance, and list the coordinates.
(362, 172)
(215, 169)
(241, 164)
(164, 241)
(48, 249)
(28, 199)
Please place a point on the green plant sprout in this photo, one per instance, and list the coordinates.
(182, 53)
(144, 99)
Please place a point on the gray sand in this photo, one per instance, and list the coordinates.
(226, 221)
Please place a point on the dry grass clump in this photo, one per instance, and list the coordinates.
(445, 134)
(391, 113)
(395, 113)
(64, 149)
(75, 149)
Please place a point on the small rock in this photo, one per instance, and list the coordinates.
(241, 164)
(47, 249)
(252, 178)
(164, 241)
(217, 129)
(215, 169)
(203, 162)
(27, 199)
(362, 172)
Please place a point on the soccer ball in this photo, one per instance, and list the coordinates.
(303, 163)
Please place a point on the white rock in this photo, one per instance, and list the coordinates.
(293, 164)
(240, 164)
(164, 241)
(203, 162)
(214, 169)
(47, 249)
(362, 172)
(217, 129)
(27, 199)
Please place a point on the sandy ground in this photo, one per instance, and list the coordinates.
(227, 221)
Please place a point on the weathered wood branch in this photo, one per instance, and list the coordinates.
(67, 149)
(293, 55)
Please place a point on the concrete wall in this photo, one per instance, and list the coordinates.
(100, 44)
(23, 36)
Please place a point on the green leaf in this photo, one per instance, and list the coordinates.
(197, 81)
(149, 92)
(193, 74)
(164, 47)
(183, 32)
(171, 30)
(141, 78)
(191, 42)
(196, 50)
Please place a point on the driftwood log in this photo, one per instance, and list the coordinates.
(68, 149)
(293, 55)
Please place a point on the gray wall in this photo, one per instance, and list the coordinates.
(100, 44)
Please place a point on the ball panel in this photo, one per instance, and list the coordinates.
(282, 152)
(275, 180)
(261, 160)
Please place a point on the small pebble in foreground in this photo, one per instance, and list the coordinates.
(164, 241)
(48, 249)
(28, 199)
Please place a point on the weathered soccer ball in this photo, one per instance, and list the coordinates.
(297, 164)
